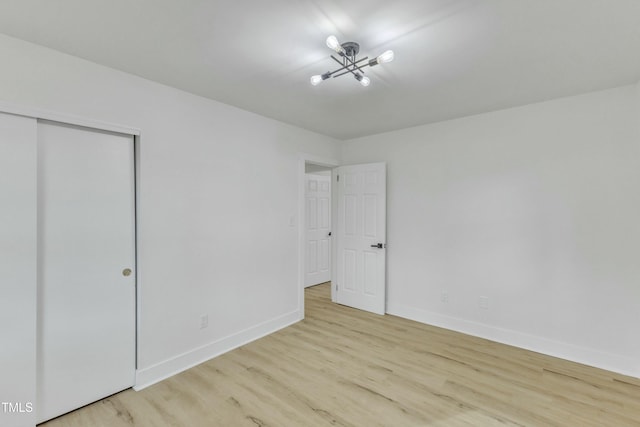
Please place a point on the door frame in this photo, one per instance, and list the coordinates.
(303, 159)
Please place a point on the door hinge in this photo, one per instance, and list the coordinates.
(338, 178)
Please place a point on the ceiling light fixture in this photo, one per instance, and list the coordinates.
(349, 63)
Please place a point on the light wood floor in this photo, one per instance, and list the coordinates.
(345, 367)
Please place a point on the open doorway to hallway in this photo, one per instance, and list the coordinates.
(317, 224)
(311, 254)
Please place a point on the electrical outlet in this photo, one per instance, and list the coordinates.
(204, 321)
(483, 302)
(444, 297)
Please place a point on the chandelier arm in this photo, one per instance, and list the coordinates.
(339, 62)
(345, 72)
(346, 67)
(354, 63)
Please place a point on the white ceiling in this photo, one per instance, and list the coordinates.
(453, 57)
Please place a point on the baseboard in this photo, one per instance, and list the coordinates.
(611, 362)
(156, 373)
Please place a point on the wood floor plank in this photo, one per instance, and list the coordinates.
(345, 367)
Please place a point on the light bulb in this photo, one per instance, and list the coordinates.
(333, 43)
(316, 80)
(364, 80)
(385, 57)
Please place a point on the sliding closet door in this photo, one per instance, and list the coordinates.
(86, 283)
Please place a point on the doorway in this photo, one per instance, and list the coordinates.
(358, 234)
(315, 210)
(317, 225)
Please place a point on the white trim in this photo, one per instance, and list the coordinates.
(586, 356)
(138, 226)
(37, 113)
(319, 161)
(334, 241)
(304, 158)
(168, 368)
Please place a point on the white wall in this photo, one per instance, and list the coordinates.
(218, 188)
(536, 208)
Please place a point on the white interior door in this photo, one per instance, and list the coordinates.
(86, 298)
(318, 229)
(361, 234)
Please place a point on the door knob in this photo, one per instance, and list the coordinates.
(126, 272)
(378, 245)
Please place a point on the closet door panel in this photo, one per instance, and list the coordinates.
(86, 285)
